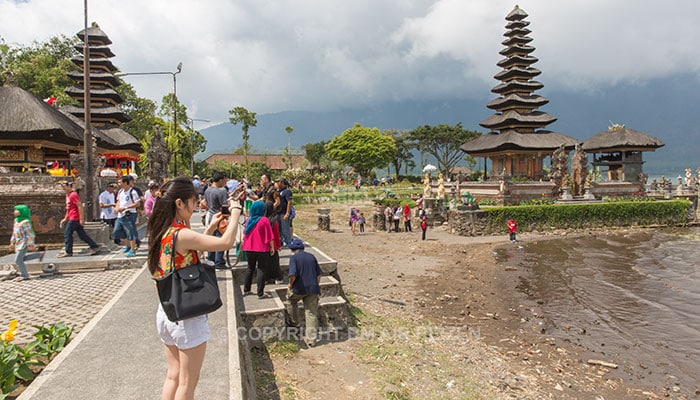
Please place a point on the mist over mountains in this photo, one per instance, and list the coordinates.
(665, 108)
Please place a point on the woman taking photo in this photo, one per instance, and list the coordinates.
(185, 341)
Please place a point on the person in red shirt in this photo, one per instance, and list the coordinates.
(407, 218)
(512, 229)
(74, 221)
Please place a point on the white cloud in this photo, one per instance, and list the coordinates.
(312, 54)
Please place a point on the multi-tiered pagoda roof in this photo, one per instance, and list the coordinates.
(105, 115)
(517, 126)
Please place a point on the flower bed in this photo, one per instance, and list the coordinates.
(19, 365)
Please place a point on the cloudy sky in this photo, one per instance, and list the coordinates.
(317, 55)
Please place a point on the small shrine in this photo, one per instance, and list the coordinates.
(517, 145)
(618, 150)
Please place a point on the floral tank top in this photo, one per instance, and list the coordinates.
(167, 251)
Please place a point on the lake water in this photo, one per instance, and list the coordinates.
(633, 299)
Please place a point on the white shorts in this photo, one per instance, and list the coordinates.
(184, 334)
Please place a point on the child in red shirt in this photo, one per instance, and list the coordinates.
(512, 228)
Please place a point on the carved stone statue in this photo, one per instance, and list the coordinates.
(579, 165)
(566, 181)
(426, 186)
(654, 185)
(441, 186)
(467, 198)
(643, 180)
(559, 165)
(158, 156)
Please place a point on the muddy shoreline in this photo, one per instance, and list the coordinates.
(474, 290)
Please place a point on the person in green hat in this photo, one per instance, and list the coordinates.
(22, 239)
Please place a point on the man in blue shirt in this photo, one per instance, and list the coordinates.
(304, 278)
(284, 212)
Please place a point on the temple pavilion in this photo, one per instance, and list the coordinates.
(517, 144)
(618, 151)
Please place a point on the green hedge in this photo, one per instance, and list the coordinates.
(577, 216)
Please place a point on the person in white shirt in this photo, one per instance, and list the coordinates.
(125, 227)
(107, 202)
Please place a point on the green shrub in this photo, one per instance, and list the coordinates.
(576, 216)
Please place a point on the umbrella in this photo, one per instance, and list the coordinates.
(108, 172)
(429, 168)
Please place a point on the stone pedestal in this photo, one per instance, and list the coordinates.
(324, 219)
(99, 232)
(587, 195)
(566, 194)
(435, 211)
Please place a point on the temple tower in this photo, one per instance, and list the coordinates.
(104, 113)
(120, 149)
(517, 144)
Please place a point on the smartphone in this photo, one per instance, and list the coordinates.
(225, 211)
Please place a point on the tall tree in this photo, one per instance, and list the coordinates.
(404, 145)
(41, 68)
(141, 110)
(315, 153)
(442, 142)
(178, 138)
(362, 148)
(240, 115)
(287, 156)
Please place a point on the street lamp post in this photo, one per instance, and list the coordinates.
(192, 140)
(179, 69)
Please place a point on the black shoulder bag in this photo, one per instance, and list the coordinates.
(188, 292)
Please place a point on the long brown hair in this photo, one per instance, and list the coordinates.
(163, 215)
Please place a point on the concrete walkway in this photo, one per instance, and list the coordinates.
(117, 354)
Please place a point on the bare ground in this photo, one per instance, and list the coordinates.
(435, 319)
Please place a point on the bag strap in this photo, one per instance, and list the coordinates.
(172, 257)
(174, 254)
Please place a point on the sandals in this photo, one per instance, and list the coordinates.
(63, 254)
(20, 279)
(265, 296)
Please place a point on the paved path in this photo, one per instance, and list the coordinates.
(73, 299)
(115, 352)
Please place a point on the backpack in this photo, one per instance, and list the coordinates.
(140, 196)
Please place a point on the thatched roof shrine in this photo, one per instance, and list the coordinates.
(620, 138)
(25, 117)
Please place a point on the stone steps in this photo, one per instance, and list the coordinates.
(264, 319)
(328, 265)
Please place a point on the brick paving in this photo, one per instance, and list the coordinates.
(70, 298)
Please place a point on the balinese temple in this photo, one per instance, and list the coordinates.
(517, 144)
(617, 152)
(120, 149)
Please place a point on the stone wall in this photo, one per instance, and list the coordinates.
(46, 200)
(468, 223)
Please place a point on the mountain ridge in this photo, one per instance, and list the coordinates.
(659, 108)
